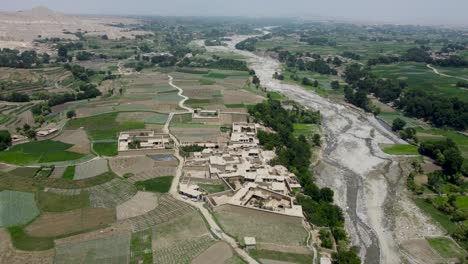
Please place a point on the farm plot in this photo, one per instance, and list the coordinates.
(181, 239)
(192, 133)
(168, 209)
(146, 117)
(39, 152)
(241, 97)
(77, 138)
(106, 195)
(184, 251)
(140, 204)
(220, 252)
(17, 208)
(143, 168)
(90, 169)
(140, 248)
(75, 221)
(265, 227)
(9, 254)
(112, 250)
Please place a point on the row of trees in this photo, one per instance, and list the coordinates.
(26, 59)
(295, 154)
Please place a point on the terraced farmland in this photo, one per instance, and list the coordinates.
(17, 208)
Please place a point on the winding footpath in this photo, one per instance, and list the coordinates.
(368, 184)
(214, 227)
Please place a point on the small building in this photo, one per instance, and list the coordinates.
(46, 132)
(144, 140)
(190, 190)
(250, 242)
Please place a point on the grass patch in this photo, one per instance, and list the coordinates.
(281, 256)
(159, 185)
(400, 149)
(212, 188)
(105, 148)
(276, 96)
(103, 126)
(39, 152)
(446, 248)
(69, 173)
(25, 171)
(21, 240)
(52, 202)
(441, 218)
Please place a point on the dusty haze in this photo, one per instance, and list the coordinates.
(452, 12)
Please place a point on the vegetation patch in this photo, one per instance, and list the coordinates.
(160, 184)
(53, 202)
(447, 248)
(400, 149)
(107, 149)
(441, 218)
(281, 256)
(22, 241)
(17, 208)
(39, 152)
(212, 188)
(141, 251)
(78, 184)
(69, 173)
(103, 126)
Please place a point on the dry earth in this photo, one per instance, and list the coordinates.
(218, 253)
(141, 203)
(78, 138)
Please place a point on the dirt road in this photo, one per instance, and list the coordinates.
(368, 184)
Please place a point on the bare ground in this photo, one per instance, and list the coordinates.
(218, 253)
(140, 204)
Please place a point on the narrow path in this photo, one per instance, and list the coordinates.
(443, 74)
(214, 227)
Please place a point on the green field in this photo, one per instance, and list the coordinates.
(281, 256)
(140, 248)
(447, 248)
(400, 149)
(103, 126)
(22, 241)
(52, 202)
(212, 188)
(440, 134)
(39, 152)
(159, 185)
(17, 208)
(441, 218)
(107, 149)
(417, 75)
(69, 173)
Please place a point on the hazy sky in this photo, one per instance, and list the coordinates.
(396, 11)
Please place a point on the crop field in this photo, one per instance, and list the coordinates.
(71, 222)
(168, 209)
(447, 248)
(17, 208)
(103, 126)
(90, 169)
(159, 184)
(265, 255)
(141, 203)
(219, 252)
(52, 202)
(180, 239)
(425, 135)
(39, 152)
(106, 148)
(112, 250)
(265, 227)
(183, 251)
(141, 251)
(77, 138)
(418, 75)
(105, 195)
(13, 115)
(145, 117)
(212, 188)
(143, 167)
(400, 149)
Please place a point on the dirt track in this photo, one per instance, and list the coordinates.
(368, 184)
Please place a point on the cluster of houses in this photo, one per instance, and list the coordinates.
(141, 140)
(243, 167)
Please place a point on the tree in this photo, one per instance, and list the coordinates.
(346, 257)
(453, 161)
(31, 134)
(398, 124)
(316, 84)
(256, 81)
(62, 52)
(335, 85)
(5, 139)
(317, 140)
(71, 114)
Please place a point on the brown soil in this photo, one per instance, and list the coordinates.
(57, 224)
(78, 138)
(241, 97)
(421, 250)
(58, 172)
(142, 167)
(141, 203)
